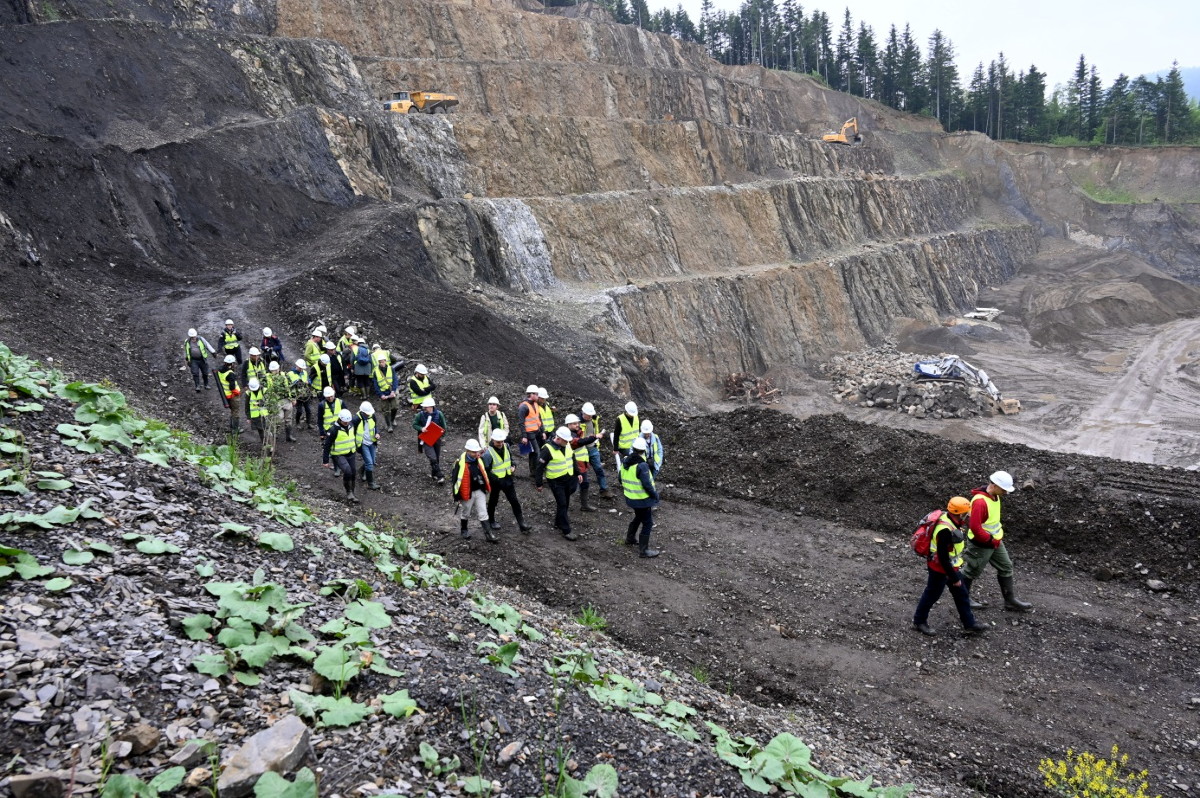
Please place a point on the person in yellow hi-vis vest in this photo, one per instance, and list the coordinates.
(985, 541)
(641, 495)
(561, 472)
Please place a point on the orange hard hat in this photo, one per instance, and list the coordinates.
(959, 506)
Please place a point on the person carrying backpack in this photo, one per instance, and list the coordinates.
(944, 557)
(361, 366)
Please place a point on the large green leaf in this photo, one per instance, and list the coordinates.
(58, 585)
(54, 484)
(276, 541)
(601, 781)
(77, 557)
(337, 664)
(370, 614)
(272, 785)
(344, 712)
(168, 779)
(158, 458)
(156, 546)
(256, 655)
(196, 626)
(211, 664)
(789, 749)
(398, 704)
(27, 567)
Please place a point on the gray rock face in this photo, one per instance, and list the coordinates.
(280, 748)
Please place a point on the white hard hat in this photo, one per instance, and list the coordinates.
(255, 351)
(571, 419)
(344, 415)
(317, 333)
(274, 366)
(422, 369)
(531, 389)
(428, 402)
(351, 330)
(301, 363)
(589, 409)
(325, 359)
(228, 322)
(330, 345)
(543, 393)
(254, 384)
(639, 444)
(499, 434)
(473, 446)
(647, 427)
(192, 333)
(328, 392)
(267, 332)
(631, 408)
(230, 359)
(563, 434)
(1003, 480)
(493, 400)
(367, 409)
(320, 326)
(382, 354)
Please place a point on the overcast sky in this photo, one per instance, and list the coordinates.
(1130, 37)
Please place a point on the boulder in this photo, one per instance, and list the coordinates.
(42, 784)
(280, 748)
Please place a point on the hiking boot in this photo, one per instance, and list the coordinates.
(975, 605)
(197, 389)
(466, 534)
(976, 628)
(337, 472)
(925, 629)
(441, 480)
(569, 535)
(648, 553)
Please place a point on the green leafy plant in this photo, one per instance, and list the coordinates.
(591, 618)
(348, 589)
(21, 563)
(501, 657)
(276, 541)
(1085, 775)
(126, 786)
(701, 674)
(435, 764)
(272, 785)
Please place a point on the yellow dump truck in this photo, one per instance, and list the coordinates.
(420, 102)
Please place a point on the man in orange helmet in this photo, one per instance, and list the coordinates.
(945, 557)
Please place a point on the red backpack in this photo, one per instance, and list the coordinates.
(922, 538)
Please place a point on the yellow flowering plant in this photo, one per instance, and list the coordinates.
(1084, 775)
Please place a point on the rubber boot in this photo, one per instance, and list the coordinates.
(288, 435)
(1011, 602)
(524, 527)
(491, 536)
(262, 436)
(466, 533)
(644, 549)
(493, 523)
(583, 501)
(371, 483)
(975, 605)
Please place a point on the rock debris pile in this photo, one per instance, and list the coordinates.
(883, 377)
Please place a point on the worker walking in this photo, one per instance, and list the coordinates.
(280, 402)
(627, 429)
(328, 410)
(367, 437)
(231, 341)
(533, 435)
(637, 483)
(561, 472)
(944, 561)
(385, 385)
(339, 448)
(471, 489)
(256, 408)
(321, 375)
(271, 346)
(492, 420)
(420, 387)
(361, 367)
(335, 367)
(301, 392)
(986, 539)
(313, 348)
(425, 420)
(654, 448)
(231, 391)
(583, 460)
(255, 368)
(590, 425)
(196, 352)
(545, 410)
(497, 460)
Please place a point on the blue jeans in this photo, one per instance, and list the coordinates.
(933, 591)
(598, 467)
(368, 455)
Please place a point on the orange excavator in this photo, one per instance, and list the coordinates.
(848, 135)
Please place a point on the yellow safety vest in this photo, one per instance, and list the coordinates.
(991, 524)
(324, 377)
(559, 465)
(258, 403)
(423, 384)
(631, 486)
(332, 411)
(312, 352)
(368, 437)
(592, 427)
(546, 414)
(501, 462)
(228, 380)
(344, 441)
(627, 431)
(187, 352)
(345, 343)
(581, 453)
(229, 340)
(384, 379)
(956, 549)
(256, 370)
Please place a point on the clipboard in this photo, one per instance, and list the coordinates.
(431, 434)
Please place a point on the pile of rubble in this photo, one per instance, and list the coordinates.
(748, 388)
(883, 377)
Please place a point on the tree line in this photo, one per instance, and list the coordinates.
(999, 100)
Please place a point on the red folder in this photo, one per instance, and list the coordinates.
(431, 434)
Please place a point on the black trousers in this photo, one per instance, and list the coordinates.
(643, 517)
(562, 488)
(510, 492)
(345, 463)
(236, 352)
(199, 367)
(303, 408)
(536, 440)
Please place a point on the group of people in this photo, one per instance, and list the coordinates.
(562, 458)
(966, 538)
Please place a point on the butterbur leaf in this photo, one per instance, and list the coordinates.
(398, 704)
(478, 785)
(370, 614)
(211, 664)
(336, 664)
(601, 781)
(272, 785)
(789, 749)
(379, 665)
(305, 704)
(54, 484)
(276, 541)
(57, 585)
(77, 557)
(678, 710)
(237, 529)
(123, 785)
(344, 712)
(103, 548)
(196, 626)
(27, 567)
(156, 546)
(256, 655)
(250, 679)
(205, 569)
(168, 779)
(157, 458)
